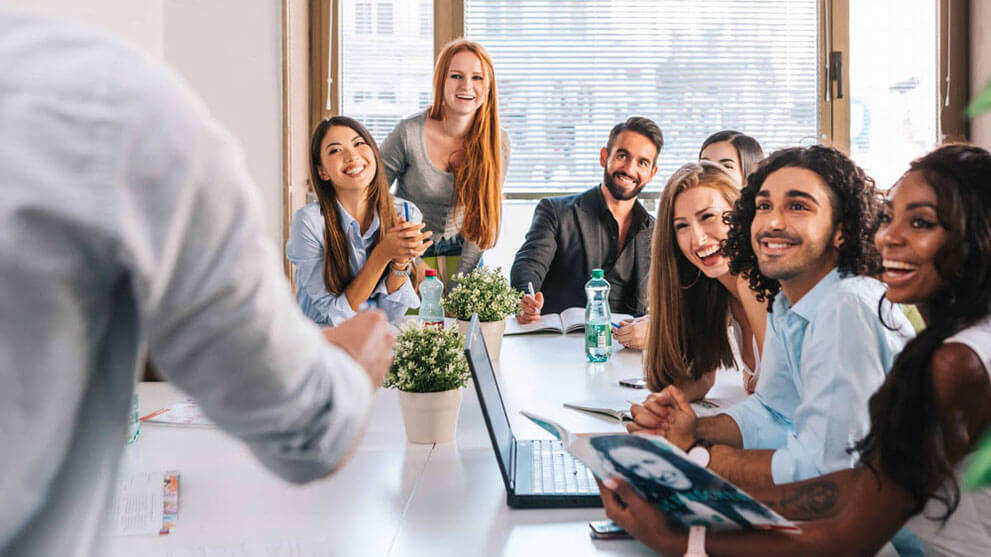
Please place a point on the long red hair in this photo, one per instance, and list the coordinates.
(478, 177)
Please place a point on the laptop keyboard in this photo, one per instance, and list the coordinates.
(556, 471)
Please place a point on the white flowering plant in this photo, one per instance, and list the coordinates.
(428, 360)
(483, 291)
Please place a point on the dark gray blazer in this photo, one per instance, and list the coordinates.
(561, 250)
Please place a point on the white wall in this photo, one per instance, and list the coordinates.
(230, 51)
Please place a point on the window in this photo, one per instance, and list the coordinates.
(568, 71)
(894, 99)
(427, 20)
(384, 80)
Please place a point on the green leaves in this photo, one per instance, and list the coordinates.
(428, 360)
(484, 291)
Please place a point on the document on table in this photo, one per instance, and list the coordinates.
(288, 548)
(147, 503)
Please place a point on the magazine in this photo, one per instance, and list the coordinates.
(662, 474)
(568, 321)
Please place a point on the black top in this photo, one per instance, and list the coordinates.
(570, 236)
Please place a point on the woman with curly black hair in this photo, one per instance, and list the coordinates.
(935, 239)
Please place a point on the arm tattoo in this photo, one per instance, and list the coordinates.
(811, 501)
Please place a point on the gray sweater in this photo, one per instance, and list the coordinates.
(429, 188)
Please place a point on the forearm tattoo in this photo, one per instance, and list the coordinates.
(811, 501)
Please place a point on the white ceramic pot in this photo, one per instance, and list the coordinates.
(492, 333)
(430, 417)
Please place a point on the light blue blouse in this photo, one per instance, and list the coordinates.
(823, 358)
(305, 249)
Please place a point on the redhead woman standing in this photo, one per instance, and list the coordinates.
(451, 159)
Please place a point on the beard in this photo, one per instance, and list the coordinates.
(808, 255)
(616, 191)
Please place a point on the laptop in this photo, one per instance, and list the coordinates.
(538, 473)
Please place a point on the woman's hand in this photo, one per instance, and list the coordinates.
(632, 333)
(405, 241)
(639, 518)
(667, 414)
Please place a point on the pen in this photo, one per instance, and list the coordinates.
(615, 325)
(529, 286)
(406, 210)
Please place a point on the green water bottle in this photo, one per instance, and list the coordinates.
(598, 327)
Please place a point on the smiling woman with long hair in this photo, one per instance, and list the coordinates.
(928, 415)
(702, 317)
(451, 158)
(352, 247)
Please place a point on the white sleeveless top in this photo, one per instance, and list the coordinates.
(968, 531)
(736, 343)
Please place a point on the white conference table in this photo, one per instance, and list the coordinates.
(392, 498)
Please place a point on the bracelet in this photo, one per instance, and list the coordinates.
(403, 272)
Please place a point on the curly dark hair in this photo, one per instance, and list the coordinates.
(855, 210)
(906, 436)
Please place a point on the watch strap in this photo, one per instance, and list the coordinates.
(696, 542)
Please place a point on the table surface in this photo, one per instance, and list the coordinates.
(393, 498)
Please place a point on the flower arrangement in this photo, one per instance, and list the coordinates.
(483, 291)
(428, 360)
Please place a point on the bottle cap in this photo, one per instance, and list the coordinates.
(596, 273)
(431, 272)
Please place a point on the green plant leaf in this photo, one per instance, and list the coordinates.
(483, 291)
(428, 360)
(982, 103)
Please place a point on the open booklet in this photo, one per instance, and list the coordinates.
(185, 413)
(662, 474)
(568, 321)
(619, 409)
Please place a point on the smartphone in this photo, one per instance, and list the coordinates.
(606, 530)
(634, 383)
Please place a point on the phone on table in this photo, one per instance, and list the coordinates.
(606, 530)
(634, 383)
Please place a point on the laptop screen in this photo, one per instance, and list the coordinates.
(489, 397)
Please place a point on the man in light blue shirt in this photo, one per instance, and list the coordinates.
(802, 231)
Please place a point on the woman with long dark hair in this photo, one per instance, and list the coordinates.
(354, 246)
(735, 151)
(701, 317)
(934, 405)
(451, 158)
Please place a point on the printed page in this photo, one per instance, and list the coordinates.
(139, 505)
(185, 413)
(549, 322)
(573, 319)
(616, 409)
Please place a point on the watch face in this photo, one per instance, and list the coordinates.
(699, 455)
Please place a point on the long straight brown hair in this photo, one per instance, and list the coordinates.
(336, 267)
(478, 176)
(687, 335)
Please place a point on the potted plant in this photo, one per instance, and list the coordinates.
(486, 292)
(429, 370)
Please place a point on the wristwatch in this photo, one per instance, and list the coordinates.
(402, 272)
(696, 542)
(699, 452)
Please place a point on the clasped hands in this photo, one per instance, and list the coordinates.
(405, 241)
(667, 414)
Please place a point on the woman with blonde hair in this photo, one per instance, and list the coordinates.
(451, 159)
(701, 317)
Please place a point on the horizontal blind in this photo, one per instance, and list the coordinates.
(567, 71)
(386, 61)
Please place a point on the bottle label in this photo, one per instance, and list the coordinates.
(598, 335)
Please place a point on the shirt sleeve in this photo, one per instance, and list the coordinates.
(305, 250)
(213, 304)
(841, 367)
(394, 153)
(760, 427)
(534, 258)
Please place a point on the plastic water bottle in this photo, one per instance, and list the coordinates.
(598, 325)
(431, 312)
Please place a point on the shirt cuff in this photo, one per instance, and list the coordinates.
(749, 415)
(783, 467)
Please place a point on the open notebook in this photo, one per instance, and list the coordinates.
(568, 321)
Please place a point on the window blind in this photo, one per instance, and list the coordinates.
(567, 71)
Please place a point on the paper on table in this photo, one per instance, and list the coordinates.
(288, 548)
(140, 504)
(186, 412)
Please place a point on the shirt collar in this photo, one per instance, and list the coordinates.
(807, 307)
(640, 215)
(351, 226)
